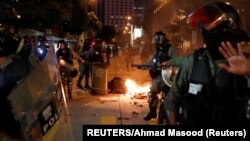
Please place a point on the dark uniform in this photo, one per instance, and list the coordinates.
(84, 67)
(96, 52)
(164, 52)
(66, 54)
(202, 93)
(9, 78)
(41, 50)
(13, 68)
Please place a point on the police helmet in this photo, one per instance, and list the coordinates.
(212, 15)
(232, 17)
(43, 39)
(61, 42)
(160, 38)
(218, 21)
(9, 19)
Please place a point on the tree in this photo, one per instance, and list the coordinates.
(63, 15)
(94, 24)
(107, 33)
(42, 14)
(79, 19)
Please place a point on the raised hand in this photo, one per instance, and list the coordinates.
(237, 61)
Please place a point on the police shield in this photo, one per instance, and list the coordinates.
(168, 74)
(39, 103)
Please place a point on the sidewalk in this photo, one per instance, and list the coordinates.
(112, 109)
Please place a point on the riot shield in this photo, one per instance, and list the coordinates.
(168, 74)
(39, 103)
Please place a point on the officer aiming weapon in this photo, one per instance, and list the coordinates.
(168, 72)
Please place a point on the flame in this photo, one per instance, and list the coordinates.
(134, 88)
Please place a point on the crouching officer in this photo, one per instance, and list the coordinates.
(164, 54)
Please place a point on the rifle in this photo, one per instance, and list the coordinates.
(143, 65)
(147, 66)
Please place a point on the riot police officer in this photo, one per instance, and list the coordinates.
(203, 93)
(84, 67)
(65, 56)
(164, 54)
(10, 62)
(40, 51)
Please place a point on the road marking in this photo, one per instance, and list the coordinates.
(110, 120)
(153, 121)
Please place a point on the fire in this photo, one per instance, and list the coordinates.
(134, 89)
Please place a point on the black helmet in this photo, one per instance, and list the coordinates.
(219, 21)
(8, 29)
(232, 17)
(43, 39)
(160, 38)
(213, 15)
(61, 42)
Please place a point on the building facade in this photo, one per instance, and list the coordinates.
(117, 13)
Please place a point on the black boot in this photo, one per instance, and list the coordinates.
(87, 87)
(151, 114)
(79, 85)
(70, 90)
(161, 114)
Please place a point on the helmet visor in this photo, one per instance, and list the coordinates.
(158, 39)
(207, 17)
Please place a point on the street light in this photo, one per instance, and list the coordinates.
(131, 30)
(127, 34)
(92, 4)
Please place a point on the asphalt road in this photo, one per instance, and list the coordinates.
(110, 109)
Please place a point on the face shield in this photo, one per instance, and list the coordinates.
(207, 17)
(9, 42)
(158, 39)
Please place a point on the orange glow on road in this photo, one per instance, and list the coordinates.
(133, 88)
